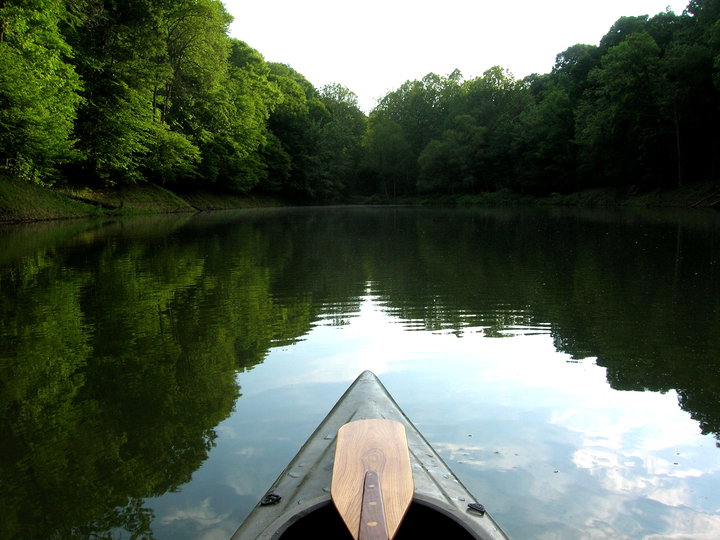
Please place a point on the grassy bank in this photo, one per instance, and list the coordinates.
(20, 201)
(23, 202)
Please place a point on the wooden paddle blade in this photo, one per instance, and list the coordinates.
(372, 445)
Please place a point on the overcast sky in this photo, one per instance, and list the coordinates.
(373, 46)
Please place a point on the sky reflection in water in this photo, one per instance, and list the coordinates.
(541, 439)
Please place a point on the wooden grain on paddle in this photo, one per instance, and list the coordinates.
(372, 445)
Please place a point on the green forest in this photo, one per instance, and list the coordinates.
(110, 93)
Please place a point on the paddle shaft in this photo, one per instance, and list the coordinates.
(372, 514)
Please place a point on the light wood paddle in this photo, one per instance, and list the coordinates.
(372, 477)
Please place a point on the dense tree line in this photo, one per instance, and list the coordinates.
(103, 92)
(638, 110)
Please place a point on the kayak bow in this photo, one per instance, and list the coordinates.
(299, 504)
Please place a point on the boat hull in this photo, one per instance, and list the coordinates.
(440, 500)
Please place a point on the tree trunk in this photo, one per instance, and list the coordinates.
(678, 148)
(166, 102)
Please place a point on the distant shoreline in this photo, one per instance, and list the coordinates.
(21, 202)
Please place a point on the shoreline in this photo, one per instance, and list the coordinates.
(22, 202)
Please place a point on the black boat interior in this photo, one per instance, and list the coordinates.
(421, 521)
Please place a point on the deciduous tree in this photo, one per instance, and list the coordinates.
(38, 89)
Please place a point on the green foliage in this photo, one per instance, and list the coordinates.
(497, 101)
(622, 125)
(448, 164)
(545, 145)
(314, 145)
(231, 151)
(388, 158)
(340, 141)
(196, 50)
(420, 107)
(155, 87)
(572, 67)
(401, 126)
(278, 164)
(292, 128)
(444, 135)
(38, 89)
(170, 156)
(621, 30)
(118, 54)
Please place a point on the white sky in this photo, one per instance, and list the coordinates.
(373, 46)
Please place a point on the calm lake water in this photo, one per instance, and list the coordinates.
(157, 374)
